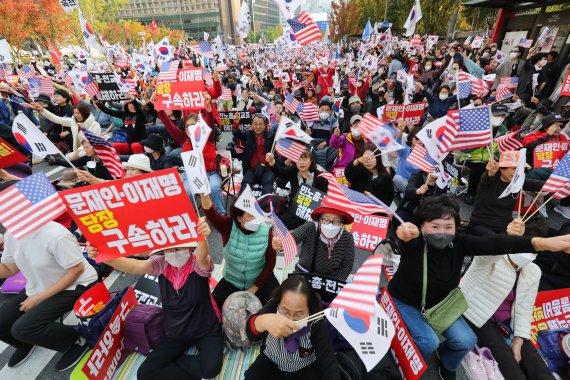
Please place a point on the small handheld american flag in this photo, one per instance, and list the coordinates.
(282, 233)
(106, 153)
(290, 149)
(559, 181)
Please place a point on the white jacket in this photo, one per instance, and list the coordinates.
(488, 282)
(90, 124)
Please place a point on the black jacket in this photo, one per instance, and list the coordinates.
(251, 145)
(290, 173)
(135, 123)
(361, 180)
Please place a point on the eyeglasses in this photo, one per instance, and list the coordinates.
(293, 316)
(335, 222)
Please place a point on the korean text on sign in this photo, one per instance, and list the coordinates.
(551, 311)
(412, 113)
(306, 200)
(134, 215)
(184, 94)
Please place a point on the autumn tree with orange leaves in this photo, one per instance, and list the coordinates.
(345, 14)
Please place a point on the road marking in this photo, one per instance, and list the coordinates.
(56, 170)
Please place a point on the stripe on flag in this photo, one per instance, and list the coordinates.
(281, 232)
(421, 159)
(466, 129)
(304, 28)
(106, 153)
(559, 181)
(226, 94)
(308, 112)
(46, 86)
(504, 89)
(291, 104)
(91, 87)
(290, 149)
(168, 70)
(508, 142)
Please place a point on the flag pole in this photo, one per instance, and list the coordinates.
(520, 203)
(457, 88)
(66, 159)
(538, 208)
(532, 203)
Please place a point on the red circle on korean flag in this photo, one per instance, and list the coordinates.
(163, 50)
(198, 134)
(21, 139)
(84, 79)
(439, 133)
(141, 67)
(88, 27)
(384, 142)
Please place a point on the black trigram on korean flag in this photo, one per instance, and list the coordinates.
(246, 203)
(334, 312)
(382, 325)
(198, 182)
(192, 161)
(21, 128)
(40, 147)
(86, 35)
(367, 348)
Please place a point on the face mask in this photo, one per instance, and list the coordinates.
(513, 55)
(497, 120)
(177, 258)
(493, 50)
(324, 115)
(356, 108)
(485, 55)
(428, 67)
(91, 164)
(253, 225)
(330, 230)
(541, 63)
(147, 149)
(439, 241)
(443, 96)
(355, 132)
(522, 259)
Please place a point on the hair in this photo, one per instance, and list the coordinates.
(554, 54)
(373, 148)
(259, 116)
(193, 116)
(63, 94)
(83, 110)
(438, 90)
(307, 153)
(437, 207)
(299, 284)
(411, 136)
(535, 58)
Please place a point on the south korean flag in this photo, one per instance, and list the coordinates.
(196, 172)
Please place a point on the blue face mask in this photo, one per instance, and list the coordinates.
(491, 98)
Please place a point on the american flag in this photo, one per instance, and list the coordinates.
(350, 200)
(504, 89)
(208, 79)
(291, 104)
(559, 181)
(271, 109)
(226, 94)
(168, 70)
(468, 84)
(546, 37)
(106, 153)
(121, 61)
(466, 129)
(308, 112)
(68, 81)
(304, 28)
(91, 87)
(525, 43)
(369, 124)
(203, 48)
(359, 295)
(282, 233)
(29, 204)
(46, 86)
(421, 159)
(290, 149)
(27, 72)
(509, 142)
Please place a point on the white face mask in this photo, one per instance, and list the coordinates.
(177, 258)
(355, 132)
(443, 96)
(497, 120)
(253, 225)
(301, 325)
(330, 230)
(324, 115)
(513, 55)
(91, 164)
(147, 149)
(486, 55)
(522, 259)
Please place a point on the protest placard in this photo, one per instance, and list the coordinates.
(8, 155)
(549, 154)
(306, 200)
(133, 215)
(186, 93)
(92, 301)
(340, 177)
(226, 120)
(368, 230)
(565, 90)
(147, 290)
(412, 112)
(327, 287)
(109, 89)
(551, 312)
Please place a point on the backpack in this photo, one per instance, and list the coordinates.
(550, 343)
(91, 328)
(236, 310)
(143, 329)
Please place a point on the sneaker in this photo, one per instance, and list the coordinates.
(443, 372)
(71, 357)
(563, 210)
(474, 365)
(491, 365)
(20, 355)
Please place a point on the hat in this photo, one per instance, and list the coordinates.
(325, 102)
(355, 118)
(43, 98)
(354, 99)
(192, 244)
(348, 219)
(548, 120)
(510, 159)
(153, 141)
(138, 161)
(500, 109)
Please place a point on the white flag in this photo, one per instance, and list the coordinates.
(292, 130)
(246, 202)
(5, 55)
(196, 172)
(413, 18)
(517, 182)
(68, 5)
(31, 138)
(163, 52)
(199, 134)
(369, 335)
(431, 135)
(87, 32)
(244, 21)
(288, 7)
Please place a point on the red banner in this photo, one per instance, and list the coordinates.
(9, 156)
(548, 154)
(403, 348)
(368, 230)
(551, 312)
(134, 215)
(184, 94)
(106, 356)
(340, 177)
(565, 90)
(412, 113)
(92, 301)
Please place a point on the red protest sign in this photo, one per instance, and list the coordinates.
(340, 177)
(551, 312)
(9, 156)
(412, 113)
(134, 215)
(92, 301)
(403, 349)
(368, 230)
(548, 154)
(565, 90)
(186, 93)
(107, 353)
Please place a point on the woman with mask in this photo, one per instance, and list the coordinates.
(529, 88)
(354, 109)
(95, 172)
(349, 144)
(248, 255)
(368, 173)
(439, 104)
(291, 350)
(432, 239)
(510, 67)
(326, 247)
(190, 316)
(153, 147)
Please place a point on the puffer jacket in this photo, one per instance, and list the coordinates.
(487, 283)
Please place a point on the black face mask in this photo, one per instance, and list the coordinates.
(439, 241)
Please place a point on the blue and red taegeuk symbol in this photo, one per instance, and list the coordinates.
(21, 139)
(439, 133)
(357, 322)
(163, 50)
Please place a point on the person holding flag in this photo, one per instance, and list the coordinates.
(349, 144)
(439, 103)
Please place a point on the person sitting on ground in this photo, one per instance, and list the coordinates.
(153, 147)
(349, 144)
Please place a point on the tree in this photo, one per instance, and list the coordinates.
(271, 34)
(345, 14)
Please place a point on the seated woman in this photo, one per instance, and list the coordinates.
(153, 147)
(190, 315)
(349, 144)
(501, 291)
(91, 161)
(292, 350)
(366, 174)
(444, 250)
(304, 172)
(326, 247)
(249, 257)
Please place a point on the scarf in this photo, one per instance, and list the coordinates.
(292, 341)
